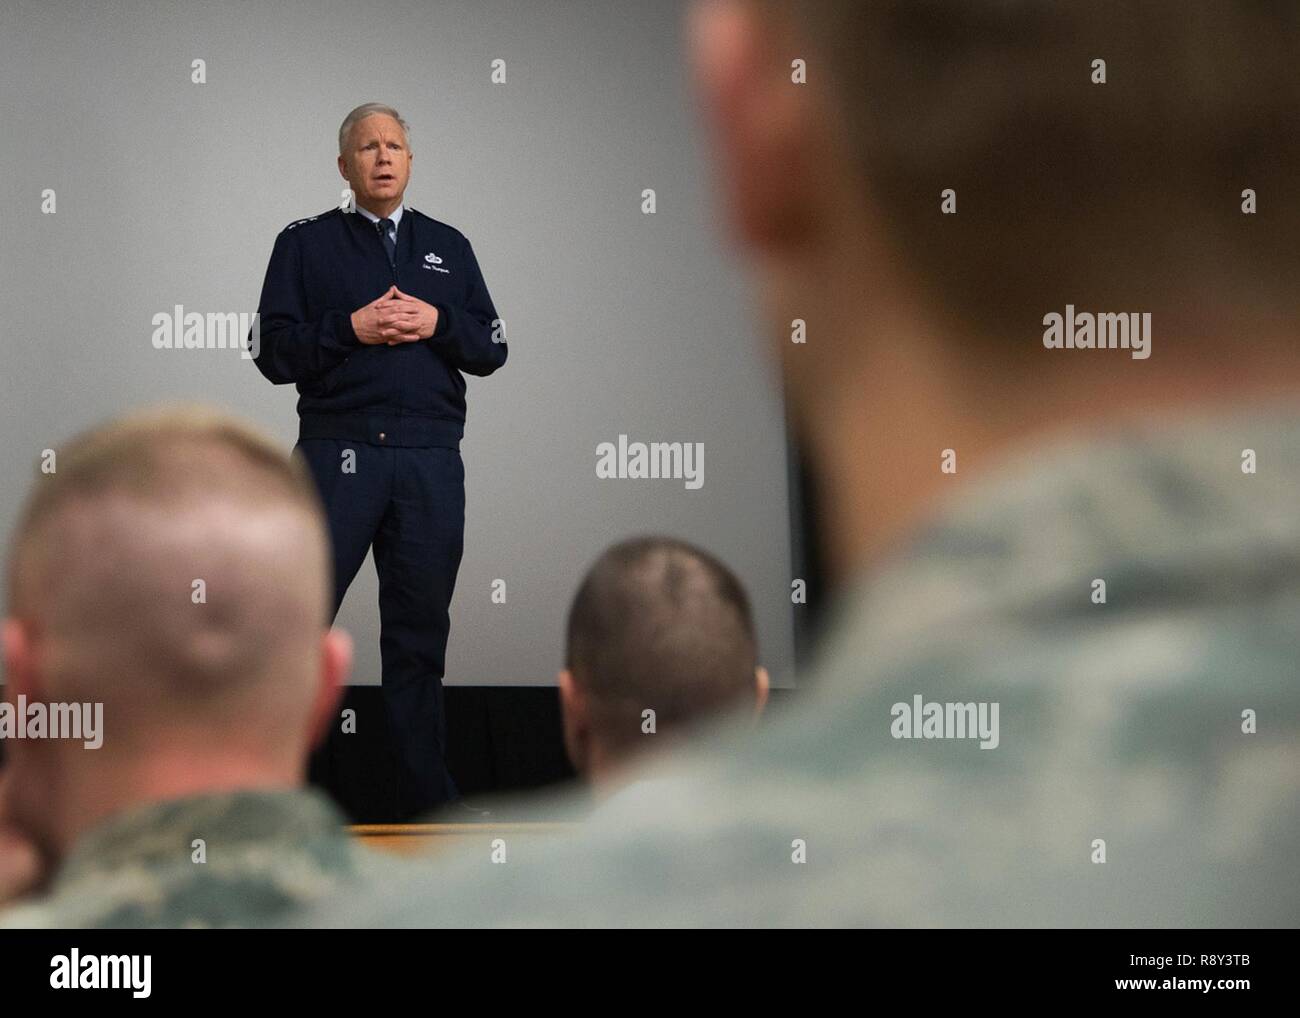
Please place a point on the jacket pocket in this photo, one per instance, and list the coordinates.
(329, 381)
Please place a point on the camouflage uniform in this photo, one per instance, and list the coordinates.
(1120, 723)
(265, 852)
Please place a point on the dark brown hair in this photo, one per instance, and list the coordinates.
(1123, 195)
(658, 623)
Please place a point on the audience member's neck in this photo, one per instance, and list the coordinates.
(877, 439)
(93, 789)
(610, 771)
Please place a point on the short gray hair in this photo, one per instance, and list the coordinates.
(369, 110)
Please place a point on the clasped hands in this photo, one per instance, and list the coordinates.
(394, 317)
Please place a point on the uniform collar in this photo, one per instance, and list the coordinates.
(395, 215)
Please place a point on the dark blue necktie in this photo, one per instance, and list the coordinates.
(383, 226)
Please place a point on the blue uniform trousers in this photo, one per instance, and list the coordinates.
(409, 505)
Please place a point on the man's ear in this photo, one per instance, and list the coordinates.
(573, 714)
(22, 669)
(762, 683)
(761, 122)
(343, 168)
(336, 666)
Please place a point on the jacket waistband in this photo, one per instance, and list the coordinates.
(384, 429)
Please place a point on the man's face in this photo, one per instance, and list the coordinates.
(376, 162)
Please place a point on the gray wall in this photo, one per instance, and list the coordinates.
(171, 193)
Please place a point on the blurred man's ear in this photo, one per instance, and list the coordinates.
(20, 659)
(22, 868)
(762, 683)
(763, 125)
(343, 168)
(27, 779)
(577, 729)
(336, 666)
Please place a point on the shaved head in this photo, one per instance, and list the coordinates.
(175, 566)
(659, 623)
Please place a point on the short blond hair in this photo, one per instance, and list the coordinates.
(144, 455)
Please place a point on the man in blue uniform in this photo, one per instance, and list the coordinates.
(376, 315)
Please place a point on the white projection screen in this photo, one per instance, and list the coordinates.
(170, 192)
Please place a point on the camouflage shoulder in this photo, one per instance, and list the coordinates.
(40, 914)
(29, 916)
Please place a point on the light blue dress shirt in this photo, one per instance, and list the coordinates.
(395, 216)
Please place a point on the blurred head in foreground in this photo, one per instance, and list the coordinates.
(949, 174)
(657, 626)
(173, 567)
(1060, 685)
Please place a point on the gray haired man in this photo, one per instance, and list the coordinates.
(376, 315)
